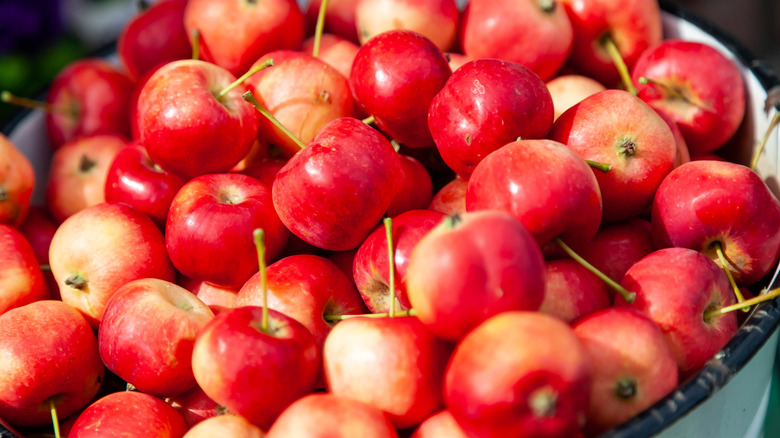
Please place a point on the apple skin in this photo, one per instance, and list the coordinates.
(440, 424)
(147, 333)
(702, 202)
(484, 105)
(208, 234)
(634, 25)
(324, 415)
(225, 425)
(451, 198)
(714, 93)
(339, 19)
(22, 281)
(64, 365)
(371, 267)
(571, 291)
(230, 35)
(39, 228)
(133, 178)
(78, 173)
(303, 93)
(535, 34)
(571, 89)
(129, 413)
(254, 374)
(437, 20)
(336, 51)
(543, 184)
(170, 111)
(347, 167)
(633, 367)
(617, 128)
(305, 287)
(394, 78)
(195, 406)
(393, 363)
(102, 247)
(532, 388)
(415, 189)
(218, 298)
(154, 37)
(17, 182)
(676, 287)
(96, 97)
(472, 267)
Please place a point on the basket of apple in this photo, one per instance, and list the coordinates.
(381, 218)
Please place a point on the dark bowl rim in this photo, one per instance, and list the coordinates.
(749, 339)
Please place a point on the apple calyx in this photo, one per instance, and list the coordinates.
(259, 237)
(608, 43)
(765, 296)
(543, 401)
(249, 97)
(548, 6)
(76, 281)
(626, 388)
(452, 221)
(86, 164)
(54, 420)
(627, 147)
(195, 34)
(724, 263)
(628, 296)
(244, 77)
(318, 28)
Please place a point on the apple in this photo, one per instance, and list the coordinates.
(62, 370)
(451, 198)
(78, 173)
(339, 19)
(129, 413)
(571, 89)
(255, 372)
(225, 425)
(571, 291)
(484, 105)
(678, 288)
(22, 281)
(393, 363)
(439, 424)
(99, 249)
(335, 51)
(172, 107)
(147, 333)
(633, 367)
(234, 33)
(218, 298)
(531, 388)
(616, 128)
(437, 20)
(536, 34)
(697, 87)
(17, 181)
(471, 267)
(324, 415)
(416, 187)
(394, 78)
(38, 229)
(89, 97)
(208, 234)
(705, 204)
(195, 406)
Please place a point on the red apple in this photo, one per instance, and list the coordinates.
(470, 268)
(99, 249)
(335, 51)
(339, 18)
(209, 229)
(147, 333)
(195, 406)
(437, 20)
(17, 181)
(171, 110)
(234, 33)
(43, 365)
(22, 281)
(451, 198)
(129, 413)
(569, 90)
(218, 298)
(437, 425)
(571, 291)
(38, 228)
(225, 425)
(486, 104)
(416, 187)
(536, 34)
(78, 173)
(503, 380)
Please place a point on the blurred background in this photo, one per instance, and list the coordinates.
(39, 37)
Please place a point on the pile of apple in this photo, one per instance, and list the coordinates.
(506, 220)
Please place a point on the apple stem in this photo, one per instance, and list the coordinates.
(628, 296)
(745, 304)
(772, 126)
(609, 44)
(54, 420)
(259, 235)
(318, 29)
(604, 167)
(671, 91)
(9, 98)
(369, 120)
(395, 145)
(249, 97)
(245, 76)
(46, 268)
(725, 265)
(195, 44)
(388, 222)
(332, 318)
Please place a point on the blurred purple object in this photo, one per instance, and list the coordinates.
(26, 25)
